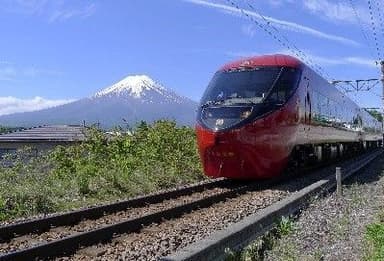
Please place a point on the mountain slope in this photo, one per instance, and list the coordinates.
(132, 99)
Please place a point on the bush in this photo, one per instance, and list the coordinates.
(105, 167)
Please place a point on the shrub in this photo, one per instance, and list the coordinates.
(104, 167)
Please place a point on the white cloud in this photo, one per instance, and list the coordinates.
(348, 60)
(65, 14)
(286, 25)
(54, 11)
(249, 30)
(12, 72)
(340, 60)
(26, 7)
(333, 11)
(5, 62)
(278, 3)
(336, 11)
(362, 61)
(11, 104)
(7, 73)
(34, 72)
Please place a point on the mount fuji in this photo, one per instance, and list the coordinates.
(133, 99)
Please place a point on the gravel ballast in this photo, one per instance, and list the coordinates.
(162, 239)
(333, 228)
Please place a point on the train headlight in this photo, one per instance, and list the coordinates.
(245, 114)
(219, 122)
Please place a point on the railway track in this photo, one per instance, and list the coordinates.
(254, 226)
(63, 234)
(128, 227)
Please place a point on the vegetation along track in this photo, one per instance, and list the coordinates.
(63, 234)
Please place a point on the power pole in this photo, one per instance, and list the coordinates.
(366, 85)
(382, 97)
(358, 85)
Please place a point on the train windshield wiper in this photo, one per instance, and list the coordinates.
(234, 100)
(215, 102)
(248, 100)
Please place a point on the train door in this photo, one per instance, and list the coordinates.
(308, 107)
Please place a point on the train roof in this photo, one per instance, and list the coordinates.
(264, 60)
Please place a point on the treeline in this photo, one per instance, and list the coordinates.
(376, 114)
(4, 129)
(105, 167)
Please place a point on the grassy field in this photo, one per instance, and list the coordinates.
(103, 168)
(375, 239)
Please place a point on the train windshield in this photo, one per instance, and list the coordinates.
(250, 86)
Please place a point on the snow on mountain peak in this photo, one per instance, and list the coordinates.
(135, 85)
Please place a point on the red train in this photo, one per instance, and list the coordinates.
(260, 114)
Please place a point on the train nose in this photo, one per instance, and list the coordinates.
(222, 155)
(228, 154)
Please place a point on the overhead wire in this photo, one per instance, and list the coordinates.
(362, 29)
(283, 41)
(373, 25)
(258, 24)
(300, 52)
(380, 22)
(380, 18)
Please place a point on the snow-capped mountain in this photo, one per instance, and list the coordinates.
(130, 100)
(141, 87)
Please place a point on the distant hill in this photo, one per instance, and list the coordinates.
(129, 101)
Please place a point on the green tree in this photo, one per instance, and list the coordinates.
(376, 114)
(4, 129)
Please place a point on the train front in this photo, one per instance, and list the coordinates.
(247, 120)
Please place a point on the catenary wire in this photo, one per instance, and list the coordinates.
(284, 44)
(362, 29)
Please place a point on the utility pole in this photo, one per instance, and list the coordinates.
(382, 97)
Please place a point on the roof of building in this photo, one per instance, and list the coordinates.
(55, 133)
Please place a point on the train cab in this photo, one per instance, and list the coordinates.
(237, 120)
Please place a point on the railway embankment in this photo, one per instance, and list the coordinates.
(339, 228)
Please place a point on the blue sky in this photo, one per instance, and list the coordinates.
(57, 51)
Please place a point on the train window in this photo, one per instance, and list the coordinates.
(285, 85)
(241, 85)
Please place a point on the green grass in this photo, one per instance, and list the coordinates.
(375, 240)
(256, 250)
(101, 169)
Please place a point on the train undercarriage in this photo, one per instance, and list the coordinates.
(311, 154)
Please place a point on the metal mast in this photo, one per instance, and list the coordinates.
(382, 97)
